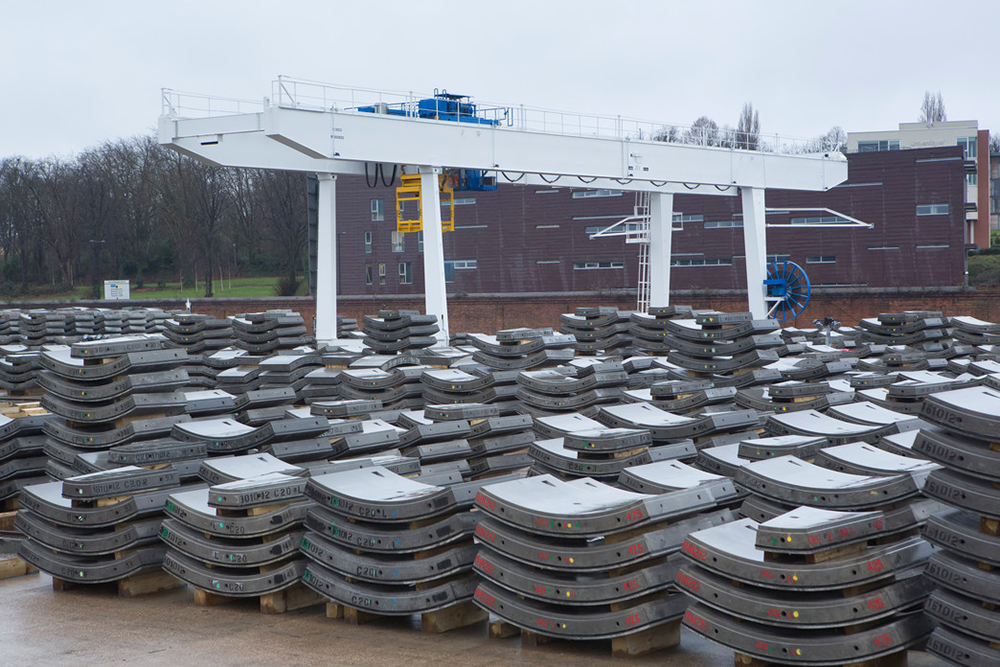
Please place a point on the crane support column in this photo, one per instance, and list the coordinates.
(326, 260)
(661, 225)
(435, 296)
(755, 249)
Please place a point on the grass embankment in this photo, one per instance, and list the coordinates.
(238, 288)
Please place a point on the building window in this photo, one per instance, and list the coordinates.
(398, 242)
(774, 259)
(972, 179)
(721, 224)
(722, 261)
(932, 246)
(547, 261)
(368, 274)
(884, 247)
(580, 266)
(584, 194)
(450, 266)
(546, 226)
(819, 220)
(420, 241)
(969, 145)
(405, 274)
(381, 273)
(932, 209)
(368, 242)
(876, 146)
(464, 201)
(821, 259)
(378, 210)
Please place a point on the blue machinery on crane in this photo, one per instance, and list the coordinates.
(314, 127)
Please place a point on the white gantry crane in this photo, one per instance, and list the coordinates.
(329, 130)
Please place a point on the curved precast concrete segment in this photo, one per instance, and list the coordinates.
(553, 382)
(157, 452)
(578, 623)
(811, 422)
(94, 391)
(804, 609)
(588, 555)
(113, 347)
(133, 405)
(866, 413)
(242, 552)
(802, 446)
(965, 615)
(731, 551)
(554, 455)
(569, 589)
(390, 538)
(87, 541)
(91, 569)
(222, 469)
(232, 582)
(965, 577)
(48, 502)
(974, 411)
(860, 458)
(667, 426)
(584, 507)
(790, 480)
(671, 475)
(961, 454)
(693, 330)
(192, 509)
(387, 599)
(959, 648)
(805, 529)
(959, 532)
(127, 480)
(968, 493)
(394, 569)
(257, 491)
(792, 646)
(222, 435)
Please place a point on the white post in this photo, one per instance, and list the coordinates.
(661, 225)
(326, 261)
(435, 295)
(755, 246)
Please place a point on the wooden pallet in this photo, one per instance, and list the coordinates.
(136, 585)
(456, 616)
(295, 597)
(15, 567)
(633, 645)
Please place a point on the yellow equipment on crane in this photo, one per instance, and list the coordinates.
(409, 211)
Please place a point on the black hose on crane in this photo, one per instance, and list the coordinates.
(512, 180)
(371, 184)
(392, 180)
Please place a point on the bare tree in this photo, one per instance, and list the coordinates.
(994, 144)
(667, 133)
(704, 132)
(932, 110)
(748, 129)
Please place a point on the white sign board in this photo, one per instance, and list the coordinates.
(116, 289)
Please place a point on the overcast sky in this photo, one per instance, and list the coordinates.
(74, 73)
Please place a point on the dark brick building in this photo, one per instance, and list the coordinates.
(536, 239)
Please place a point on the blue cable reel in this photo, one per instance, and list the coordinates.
(788, 290)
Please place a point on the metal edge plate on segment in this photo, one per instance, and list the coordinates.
(89, 570)
(113, 347)
(964, 614)
(591, 555)
(192, 509)
(795, 647)
(171, 403)
(155, 452)
(607, 439)
(104, 438)
(257, 491)
(800, 609)
(964, 576)
(392, 569)
(573, 590)
(387, 600)
(390, 538)
(376, 494)
(230, 582)
(968, 493)
(578, 623)
(555, 456)
(229, 552)
(801, 446)
(731, 550)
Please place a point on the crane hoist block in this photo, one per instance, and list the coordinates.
(409, 209)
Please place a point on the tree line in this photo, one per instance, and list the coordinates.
(132, 209)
